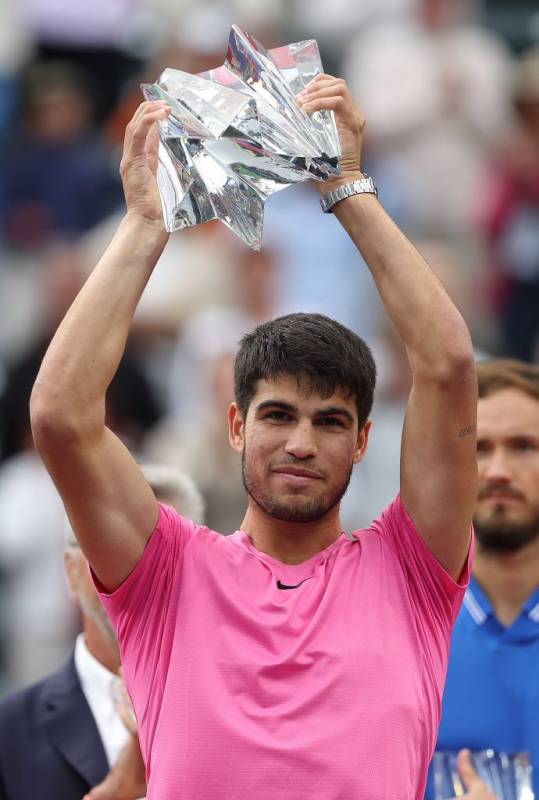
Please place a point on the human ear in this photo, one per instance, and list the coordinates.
(71, 569)
(362, 441)
(235, 428)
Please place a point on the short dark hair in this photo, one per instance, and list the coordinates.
(320, 352)
(507, 373)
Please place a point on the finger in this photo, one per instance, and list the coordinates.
(334, 103)
(144, 108)
(466, 770)
(325, 91)
(323, 80)
(141, 130)
(324, 76)
(152, 154)
(98, 793)
(138, 113)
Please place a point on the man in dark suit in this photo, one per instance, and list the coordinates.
(64, 735)
(49, 742)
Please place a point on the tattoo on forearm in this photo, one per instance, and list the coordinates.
(466, 431)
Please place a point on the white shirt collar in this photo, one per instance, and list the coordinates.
(96, 682)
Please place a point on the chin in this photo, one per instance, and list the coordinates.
(296, 513)
(504, 533)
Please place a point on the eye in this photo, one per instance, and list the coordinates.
(330, 422)
(524, 446)
(278, 416)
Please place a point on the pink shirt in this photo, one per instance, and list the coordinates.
(245, 691)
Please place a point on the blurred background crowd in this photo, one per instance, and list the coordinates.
(450, 90)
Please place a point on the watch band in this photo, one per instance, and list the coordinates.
(365, 185)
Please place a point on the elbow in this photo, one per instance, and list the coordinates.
(459, 360)
(453, 364)
(52, 423)
(46, 419)
(457, 367)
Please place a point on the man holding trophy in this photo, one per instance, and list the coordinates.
(289, 660)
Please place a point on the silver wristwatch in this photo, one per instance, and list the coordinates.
(366, 184)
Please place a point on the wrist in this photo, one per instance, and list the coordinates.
(151, 230)
(364, 185)
(324, 187)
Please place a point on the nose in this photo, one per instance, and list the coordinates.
(495, 467)
(301, 443)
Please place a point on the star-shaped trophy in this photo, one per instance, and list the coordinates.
(236, 134)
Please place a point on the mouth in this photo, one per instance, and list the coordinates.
(297, 476)
(500, 497)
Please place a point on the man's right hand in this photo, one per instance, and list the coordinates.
(476, 789)
(138, 167)
(110, 505)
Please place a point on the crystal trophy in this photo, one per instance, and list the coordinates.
(236, 134)
(508, 775)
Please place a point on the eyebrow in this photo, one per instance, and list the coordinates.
(332, 411)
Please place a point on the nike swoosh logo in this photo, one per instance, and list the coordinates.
(281, 585)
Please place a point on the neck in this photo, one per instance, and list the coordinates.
(290, 542)
(98, 644)
(508, 579)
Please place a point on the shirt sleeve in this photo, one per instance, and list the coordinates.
(142, 612)
(434, 595)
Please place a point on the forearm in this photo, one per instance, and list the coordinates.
(89, 343)
(426, 319)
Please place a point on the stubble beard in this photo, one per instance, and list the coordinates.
(497, 533)
(302, 509)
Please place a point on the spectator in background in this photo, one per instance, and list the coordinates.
(491, 697)
(58, 179)
(511, 218)
(60, 737)
(105, 39)
(436, 92)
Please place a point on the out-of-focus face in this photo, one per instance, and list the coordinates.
(507, 510)
(60, 116)
(298, 449)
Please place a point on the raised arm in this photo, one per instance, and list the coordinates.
(110, 505)
(438, 457)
